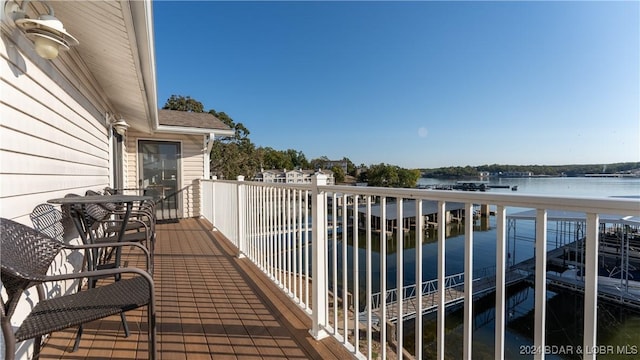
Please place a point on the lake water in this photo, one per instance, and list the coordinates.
(570, 186)
(617, 327)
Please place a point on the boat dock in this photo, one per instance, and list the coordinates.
(468, 186)
(454, 294)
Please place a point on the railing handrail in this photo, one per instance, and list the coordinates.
(600, 205)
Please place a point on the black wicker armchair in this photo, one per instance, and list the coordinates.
(27, 255)
(48, 220)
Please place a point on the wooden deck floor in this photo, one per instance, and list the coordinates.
(210, 305)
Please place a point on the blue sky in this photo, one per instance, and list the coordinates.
(418, 84)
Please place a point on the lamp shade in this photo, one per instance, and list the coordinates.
(120, 126)
(46, 47)
(48, 35)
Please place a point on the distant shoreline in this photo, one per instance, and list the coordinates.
(629, 169)
(606, 175)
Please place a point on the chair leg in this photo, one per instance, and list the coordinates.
(152, 249)
(76, 344)
(151, 323)
(124, 324)
(9, 338)
(37, 345)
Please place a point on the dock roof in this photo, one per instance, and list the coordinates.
(561, 215)
(429, 207)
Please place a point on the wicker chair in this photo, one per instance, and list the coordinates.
(27, 254)
(106, 219)
(48, 220)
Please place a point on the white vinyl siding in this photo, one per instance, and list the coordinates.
(53, 140)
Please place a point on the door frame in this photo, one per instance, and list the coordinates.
(179, 175)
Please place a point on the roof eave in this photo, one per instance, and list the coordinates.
(193, 130)
(142, 15)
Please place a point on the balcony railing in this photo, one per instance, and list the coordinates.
(323, 245)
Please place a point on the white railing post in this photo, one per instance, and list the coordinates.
(442, 228)
(540, 285)
(319, 249)
(419, 238)
(468, 283)
(242, 246)
(212, 201)
(399, 274)
(591, 287)
(501, 288)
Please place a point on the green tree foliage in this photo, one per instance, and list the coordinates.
(351, 167)
(234, 155)
(319, 163)
(338, 174)
(547, 170)
(283, 159)
(230, 159)
(183, 103)
(385, 175)
(241, 133)
(230, 156)
(298, 159)
(274, 159)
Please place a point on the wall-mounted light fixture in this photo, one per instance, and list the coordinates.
(46, 32)
(120, 125)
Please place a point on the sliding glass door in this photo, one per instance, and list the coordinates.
(159, 171)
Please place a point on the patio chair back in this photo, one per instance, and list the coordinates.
(48, 220)
(108, 206)
(27, 254)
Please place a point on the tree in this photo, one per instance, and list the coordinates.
(298, 160)
(338, 174)
(351, 167)
(230, 159)
(183, 103)
(234, 155)
(274, 159)
(240, 131)
(385, 175)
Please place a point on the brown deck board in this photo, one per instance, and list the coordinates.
(210, 305)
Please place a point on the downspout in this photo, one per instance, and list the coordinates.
(208, 144)
(111, 140)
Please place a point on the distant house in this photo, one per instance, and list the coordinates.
(295, 176)
(512, 174)
(339, 163)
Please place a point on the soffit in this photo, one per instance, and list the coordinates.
(115, 44)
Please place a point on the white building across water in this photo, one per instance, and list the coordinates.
(295, 176)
